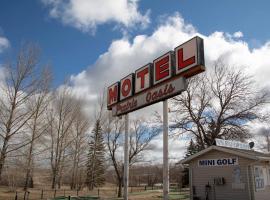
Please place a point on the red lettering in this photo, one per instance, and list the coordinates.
(184, 63)
(126, 106)
(126, 87)
(141, 75)
(162, 68)
(148, 97)
(159, 94)
(171, 89)
(113, 94)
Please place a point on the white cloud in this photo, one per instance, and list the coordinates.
(4, 44)
(86, 15)
(238, 34)
(124, 56)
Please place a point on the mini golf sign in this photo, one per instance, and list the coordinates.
(157, 81)
(218, 162)
(232, 144)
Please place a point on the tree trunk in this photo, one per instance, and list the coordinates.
(74, 179)
(60, 175)
(74, 176)
(26, 183)
(72, 184)
(29, 169)
(268, 143)
(3, 156)
(54, 178)
(120, 184)
(30, 159)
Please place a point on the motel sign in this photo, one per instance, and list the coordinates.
(164, 78)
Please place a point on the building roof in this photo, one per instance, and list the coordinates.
(249, 154)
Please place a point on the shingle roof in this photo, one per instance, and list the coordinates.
(250, 154)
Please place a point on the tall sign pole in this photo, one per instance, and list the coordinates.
(126, 158)
(165, 151)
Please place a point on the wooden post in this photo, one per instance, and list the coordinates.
(41, 196)
(24, 196)
(16, 196)
(28, 194)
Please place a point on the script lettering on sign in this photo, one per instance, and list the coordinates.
(155, 81)
(161, 92)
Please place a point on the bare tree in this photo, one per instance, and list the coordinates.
(61, 116)
(37, 105)
(143, 174)
(264, 138)
(20, 84)
(140, 137)
(219, 105)
(78, 146)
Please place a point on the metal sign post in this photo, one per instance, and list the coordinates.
(126, 158)
(165, 152)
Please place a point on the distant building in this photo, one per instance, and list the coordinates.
(223, 173)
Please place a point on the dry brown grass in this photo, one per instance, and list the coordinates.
(104, 193)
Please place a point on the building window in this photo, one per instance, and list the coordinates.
(260, 177)
(268, 175)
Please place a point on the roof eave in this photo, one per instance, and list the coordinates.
(251, 157)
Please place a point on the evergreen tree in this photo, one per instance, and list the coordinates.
(95, 162)
(192, 148)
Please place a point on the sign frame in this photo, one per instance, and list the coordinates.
(187, 72)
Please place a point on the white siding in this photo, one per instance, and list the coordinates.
(202, 175)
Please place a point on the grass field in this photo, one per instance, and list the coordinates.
(108, 193)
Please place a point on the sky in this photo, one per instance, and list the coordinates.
(71, 45)
(95, 43)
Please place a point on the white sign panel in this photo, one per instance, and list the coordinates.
(187, 59)
(155, 94)
(142, 78)
(260, 176)
(126, 85)
(232, 144)
(218, 162)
